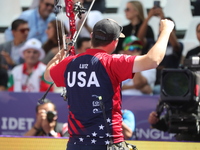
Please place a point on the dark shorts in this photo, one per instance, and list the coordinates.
(71, 146)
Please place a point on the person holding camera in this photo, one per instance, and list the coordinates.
(173, 117)
(46, 122)
(138, 26)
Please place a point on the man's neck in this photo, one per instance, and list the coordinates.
(17, 42)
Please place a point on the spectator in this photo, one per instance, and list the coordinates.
(51, 46)
(134, 13)
(128, 124)
(37, 19)
(3, 79)
(10, 50)
(166, 118)
(28, 77)
(143, 82)
(83, 44)
(52, 35)
(99, 5)
(195, 51)
(46, 122)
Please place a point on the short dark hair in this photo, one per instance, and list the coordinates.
(96, 42)
(16, 23)
(45, 101)
(81, 40)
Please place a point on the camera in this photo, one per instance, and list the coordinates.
(156, 3)
(180, 93)
(51, 115)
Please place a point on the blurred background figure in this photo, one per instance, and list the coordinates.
(83, 44)
(143, 82)
(28, 77)
(46, 122)
(3, 79)
(10, 55)
(37, 19)
(51, 46)
(135, 14)
(99, 5)
(195, 51)
(166, 117)
(128, 124)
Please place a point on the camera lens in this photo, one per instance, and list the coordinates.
(50, 115)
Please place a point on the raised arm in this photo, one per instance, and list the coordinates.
(143, 28)
(156, 54)
(56, 59)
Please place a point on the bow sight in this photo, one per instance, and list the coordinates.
(79, 9)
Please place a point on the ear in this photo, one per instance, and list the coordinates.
(91, 35)
(13, 32)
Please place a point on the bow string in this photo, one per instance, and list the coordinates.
(73, 11)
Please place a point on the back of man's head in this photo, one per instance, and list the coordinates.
(105, 31)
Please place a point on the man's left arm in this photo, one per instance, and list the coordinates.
(56, 60)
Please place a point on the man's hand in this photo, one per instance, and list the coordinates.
(47, 126)
(166, 25)
(153, 118)
(56, 60)
(7, 58)
(41, 115)
(158, 12)
(80, 22)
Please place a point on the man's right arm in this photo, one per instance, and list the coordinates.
(156, 54)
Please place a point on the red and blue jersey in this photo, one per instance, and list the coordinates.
(89, 77)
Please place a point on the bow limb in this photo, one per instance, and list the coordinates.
(74, 10)
(69, 4)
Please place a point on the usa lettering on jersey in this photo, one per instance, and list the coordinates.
(82, 78)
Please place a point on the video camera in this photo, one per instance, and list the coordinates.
(180, 93)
